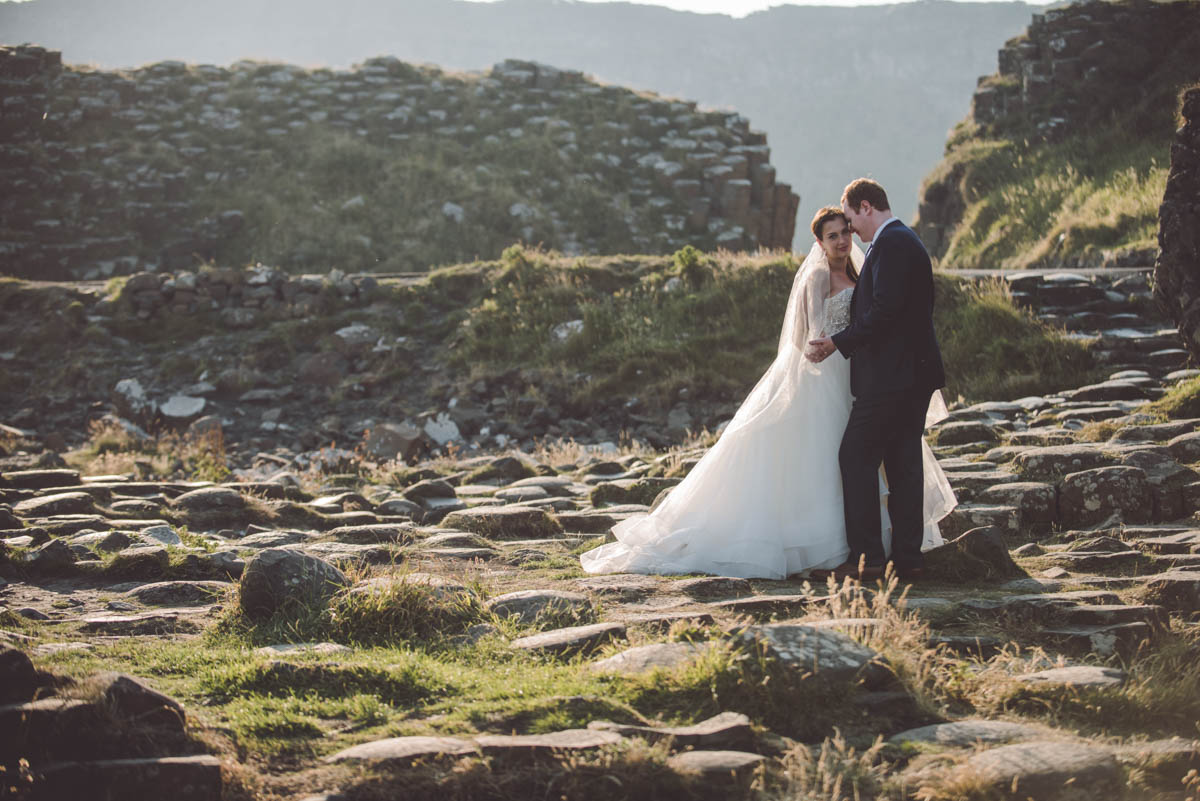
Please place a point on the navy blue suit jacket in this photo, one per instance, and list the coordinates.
(890, 341)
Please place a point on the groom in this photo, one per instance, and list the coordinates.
(895, 365)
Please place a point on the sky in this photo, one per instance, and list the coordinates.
(740, 8)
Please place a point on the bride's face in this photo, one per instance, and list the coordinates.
(835, 239)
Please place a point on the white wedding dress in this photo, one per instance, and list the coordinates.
(766, 500)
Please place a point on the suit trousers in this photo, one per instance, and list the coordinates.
(885, 429)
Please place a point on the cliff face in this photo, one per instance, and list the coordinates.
(383, 167)
(1063, 156)
(1177, 270)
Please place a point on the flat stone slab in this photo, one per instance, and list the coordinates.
(182, 778)
(170, 593)
(522, 744)
(376, 534)
(63, 503)
(644, 658)
(404, 749)
(571, 639)
(721, 764)
(42, 479)
(967, 732)
(466, 554)
(150, 623)
(1078, 676)
(210, 498)
(763, 605)
(1184, 542)
(1177, 590)
(528, 605)
(662, 621)
(1045, 769)
(805, 648)
(726, 730)
(273, 539)
(504, 522)
(621, 585)
(586, 522)
(287, 649)
(712, 587)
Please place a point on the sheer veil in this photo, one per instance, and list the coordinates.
(803, 320)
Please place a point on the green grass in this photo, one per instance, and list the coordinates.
(1032, 205)
(718, 330)
(1180, 402)
(995, 350)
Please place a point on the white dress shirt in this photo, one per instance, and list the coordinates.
(882, 225)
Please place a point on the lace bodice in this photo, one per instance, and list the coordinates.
(837, 312)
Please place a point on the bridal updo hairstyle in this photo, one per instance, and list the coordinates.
(818, 227)
(865, 189)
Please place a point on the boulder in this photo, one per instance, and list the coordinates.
(18, 677)
(279, 578)
(131, 698)
(54, 556)
(1093, 496)
(132, 401)
(145, 562)
(979, 554)
(209, 499)
(401, 441)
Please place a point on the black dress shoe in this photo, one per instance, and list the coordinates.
(852, 570)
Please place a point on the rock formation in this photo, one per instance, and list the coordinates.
(1177, 270)
(1075, 70)
(385, 166)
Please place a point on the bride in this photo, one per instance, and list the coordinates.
(766, 500)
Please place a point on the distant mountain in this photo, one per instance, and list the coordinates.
(841, 92)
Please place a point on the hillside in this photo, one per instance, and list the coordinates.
(1063, 160)
(914, 65)
(387, 167)
(529, 348)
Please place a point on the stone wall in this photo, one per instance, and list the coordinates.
(1177, 270)
(105, 173)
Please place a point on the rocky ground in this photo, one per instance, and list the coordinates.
(427, 629)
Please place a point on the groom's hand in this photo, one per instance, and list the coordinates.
(820, 349)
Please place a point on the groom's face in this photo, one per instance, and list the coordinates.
(856, 218)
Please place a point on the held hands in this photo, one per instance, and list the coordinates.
(819, 350)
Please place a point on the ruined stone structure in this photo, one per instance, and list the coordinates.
(1177, 270)
(109, 173)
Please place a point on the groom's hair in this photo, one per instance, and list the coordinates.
(868, 190)
(823, 216)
